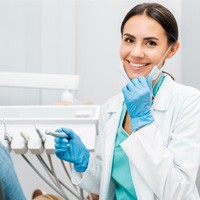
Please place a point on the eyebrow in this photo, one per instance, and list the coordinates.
(146, 38)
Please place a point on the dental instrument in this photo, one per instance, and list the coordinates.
(55, 177)
(52, 175)
(8, 139)
(41, 176)
(57, 134)
(67, 173)
(24, 137)
(40, 134)
(78, 153)
(46, 167)
(6, 135)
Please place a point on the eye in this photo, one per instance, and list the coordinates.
(151, 43)
(129, 40)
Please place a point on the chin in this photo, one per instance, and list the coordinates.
(132, 76)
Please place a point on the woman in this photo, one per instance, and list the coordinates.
(148, 145)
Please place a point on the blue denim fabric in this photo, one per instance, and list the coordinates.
(8, 177)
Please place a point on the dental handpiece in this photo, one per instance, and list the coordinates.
(57, 134)
(41, 136)
(6, 135)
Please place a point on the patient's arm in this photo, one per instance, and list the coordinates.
(94, 197)
(8, 177)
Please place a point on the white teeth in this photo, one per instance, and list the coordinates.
(137, 65)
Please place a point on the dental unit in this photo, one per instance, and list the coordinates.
(25, 132)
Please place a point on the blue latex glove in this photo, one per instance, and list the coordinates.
(72, 150)
(138, 100)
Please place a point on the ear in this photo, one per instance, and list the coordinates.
(173, 49)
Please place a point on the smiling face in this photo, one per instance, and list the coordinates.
(144, 43)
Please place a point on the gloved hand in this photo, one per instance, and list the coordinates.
(72, 150)
(138, 100)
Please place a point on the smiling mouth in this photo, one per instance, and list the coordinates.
(138, 65)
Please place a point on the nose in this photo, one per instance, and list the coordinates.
(137, 51)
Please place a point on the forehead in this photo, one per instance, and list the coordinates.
(144, 26)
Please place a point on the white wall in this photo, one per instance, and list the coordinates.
(36, 36)
(191, 42)
(190, 46)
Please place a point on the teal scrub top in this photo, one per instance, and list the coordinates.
(120, 166)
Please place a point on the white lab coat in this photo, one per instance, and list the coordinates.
(164, 156)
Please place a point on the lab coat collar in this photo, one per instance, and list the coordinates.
(162, 99)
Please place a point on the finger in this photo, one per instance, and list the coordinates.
(129, 87)
(59, 152)
(69, 132)
(135, 81)
(126, 92)
(59, 140)
(58, 130)
(61, 146)
(143, 81)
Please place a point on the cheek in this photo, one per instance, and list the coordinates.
(153, 57)
(123, 52)
(156, 60)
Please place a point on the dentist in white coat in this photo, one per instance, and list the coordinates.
(148, 145)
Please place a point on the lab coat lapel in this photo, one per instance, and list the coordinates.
(114, 112)
(160, 107)
(162, 99)
(111, 127)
